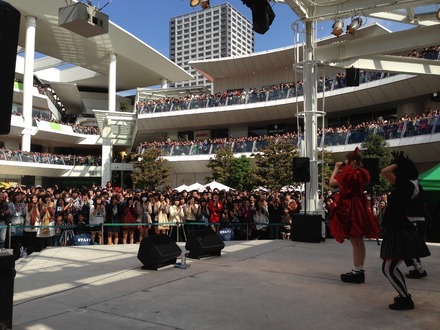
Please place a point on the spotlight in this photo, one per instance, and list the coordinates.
(205, 4)
(355, 24)
(194, 3)
(337, 27)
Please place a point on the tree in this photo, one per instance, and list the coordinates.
(241, 174)
(150, 170)
(233, 172)
(375, 146)
(274, 164)
(326, 171)
(219, 165)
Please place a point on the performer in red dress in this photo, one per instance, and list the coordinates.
(352, 216)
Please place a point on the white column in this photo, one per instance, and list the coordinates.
(164, 83)
(112, 82)
(311, 116)
(28, 82)
(107, 153)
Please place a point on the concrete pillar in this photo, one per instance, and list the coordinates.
(107, 153)
(28, 82)
(164, 83)
(112, 83)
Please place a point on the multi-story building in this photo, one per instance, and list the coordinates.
(80, 77)
(217, 32)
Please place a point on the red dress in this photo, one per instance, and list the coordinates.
(352, 215)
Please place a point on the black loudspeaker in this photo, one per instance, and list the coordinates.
(307, 228)
(7, 275)
(372, 166)
(352, 76)
(9, 28)
(301, 169)
(262, 15)
(157, 251)
(203, 243)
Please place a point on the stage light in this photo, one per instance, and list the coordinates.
(194, 3)
(205, 4)
(337, 27)
(355, 24)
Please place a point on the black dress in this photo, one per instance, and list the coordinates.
(400, 237)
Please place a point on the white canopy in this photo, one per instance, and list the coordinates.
(181, 188)
(196, 186)
(217, 185)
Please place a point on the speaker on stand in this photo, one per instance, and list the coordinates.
(158, 251)
(301, 173)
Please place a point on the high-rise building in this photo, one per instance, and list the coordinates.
(216, 32)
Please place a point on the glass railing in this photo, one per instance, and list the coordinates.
(253, 96)
(45, 158)
(408, 128)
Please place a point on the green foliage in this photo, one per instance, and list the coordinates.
(274, 164)
(233, 172)
(375, 146)
(327, 171)
(150, 170)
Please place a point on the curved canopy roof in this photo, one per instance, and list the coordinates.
(137, 63)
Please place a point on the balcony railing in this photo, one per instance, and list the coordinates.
(255, 96)
(403, 129)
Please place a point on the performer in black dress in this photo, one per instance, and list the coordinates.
(400, 238)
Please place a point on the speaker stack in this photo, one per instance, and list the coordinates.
(158, 251)
(203, 243)
(352, 76)
(307, 228)
(7, 275)
(372, 166)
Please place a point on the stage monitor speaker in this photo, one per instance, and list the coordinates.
(301, 169)
(9, 29)
(158, 251)
(372, 166)
(307, 228)
(262, 15)
(203, 243)
(352, 76)
(7, 275)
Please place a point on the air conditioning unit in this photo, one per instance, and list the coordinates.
(83, 19)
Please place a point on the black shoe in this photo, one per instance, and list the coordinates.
(402, 303)
(416, 274)
(353, 277)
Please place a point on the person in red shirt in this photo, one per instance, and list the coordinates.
(215, 207)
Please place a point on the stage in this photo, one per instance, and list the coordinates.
(257, 284)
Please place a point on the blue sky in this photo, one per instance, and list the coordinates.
(149, 20)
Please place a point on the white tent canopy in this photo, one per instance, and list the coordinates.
(196, 186)
(217, 185)
(181, 188)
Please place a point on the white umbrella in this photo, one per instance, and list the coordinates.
(217, 185)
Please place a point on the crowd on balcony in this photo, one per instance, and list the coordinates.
(252, 95)
(80, 129)
(48, 158)
(408, 125)
(430, 53)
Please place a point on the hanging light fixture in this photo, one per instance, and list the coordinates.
(355, 24)
(337, 27)
(194, 3)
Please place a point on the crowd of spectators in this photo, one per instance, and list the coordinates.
(52, 216)
(430, 53)
(408, 125)
(48, 158)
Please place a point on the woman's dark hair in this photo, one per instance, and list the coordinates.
(354, 155)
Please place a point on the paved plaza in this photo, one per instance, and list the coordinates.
(257, 284)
